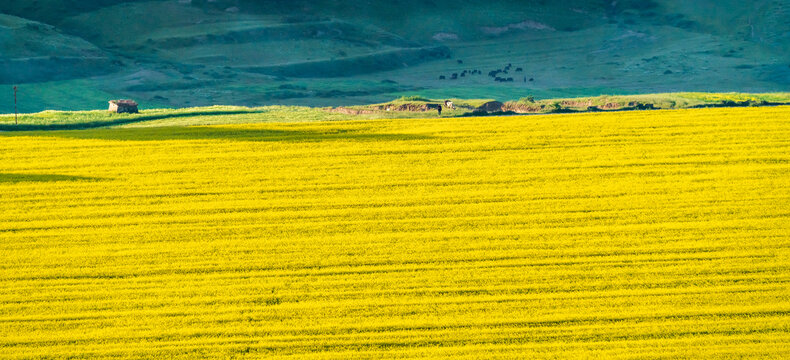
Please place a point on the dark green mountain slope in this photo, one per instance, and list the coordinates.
(70, 54)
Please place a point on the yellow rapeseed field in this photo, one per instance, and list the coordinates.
(603, 235)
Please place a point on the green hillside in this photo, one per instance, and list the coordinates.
(31, 51)
(404, 107)
(75, 55)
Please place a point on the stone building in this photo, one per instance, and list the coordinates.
(123, 106)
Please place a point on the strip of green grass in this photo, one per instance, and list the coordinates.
(215, 115)
(663, 101)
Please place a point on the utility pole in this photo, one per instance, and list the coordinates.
(16, 117)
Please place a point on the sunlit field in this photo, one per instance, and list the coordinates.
(603, 235)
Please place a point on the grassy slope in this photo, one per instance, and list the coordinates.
(55, 120)
(64, 120)
(595, 47)
(658, 101)
(609, 235)
(33, 52)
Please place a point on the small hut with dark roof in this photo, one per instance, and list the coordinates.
(123, 106)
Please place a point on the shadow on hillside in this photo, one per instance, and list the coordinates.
(220, 133)
(121, 120)
(17, 178)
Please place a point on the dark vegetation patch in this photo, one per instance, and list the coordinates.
(120, 119)
(178, 85)
(53, 11)
(230, 134)
(51, 68)
(17, 178)
(365, 64)
(327, 30)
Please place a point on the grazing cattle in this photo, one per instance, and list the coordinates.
(442, 77)
(454, 76)
(510, 79)
(460, 61)
(519, 69)
(531, 79)
(449, 104)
